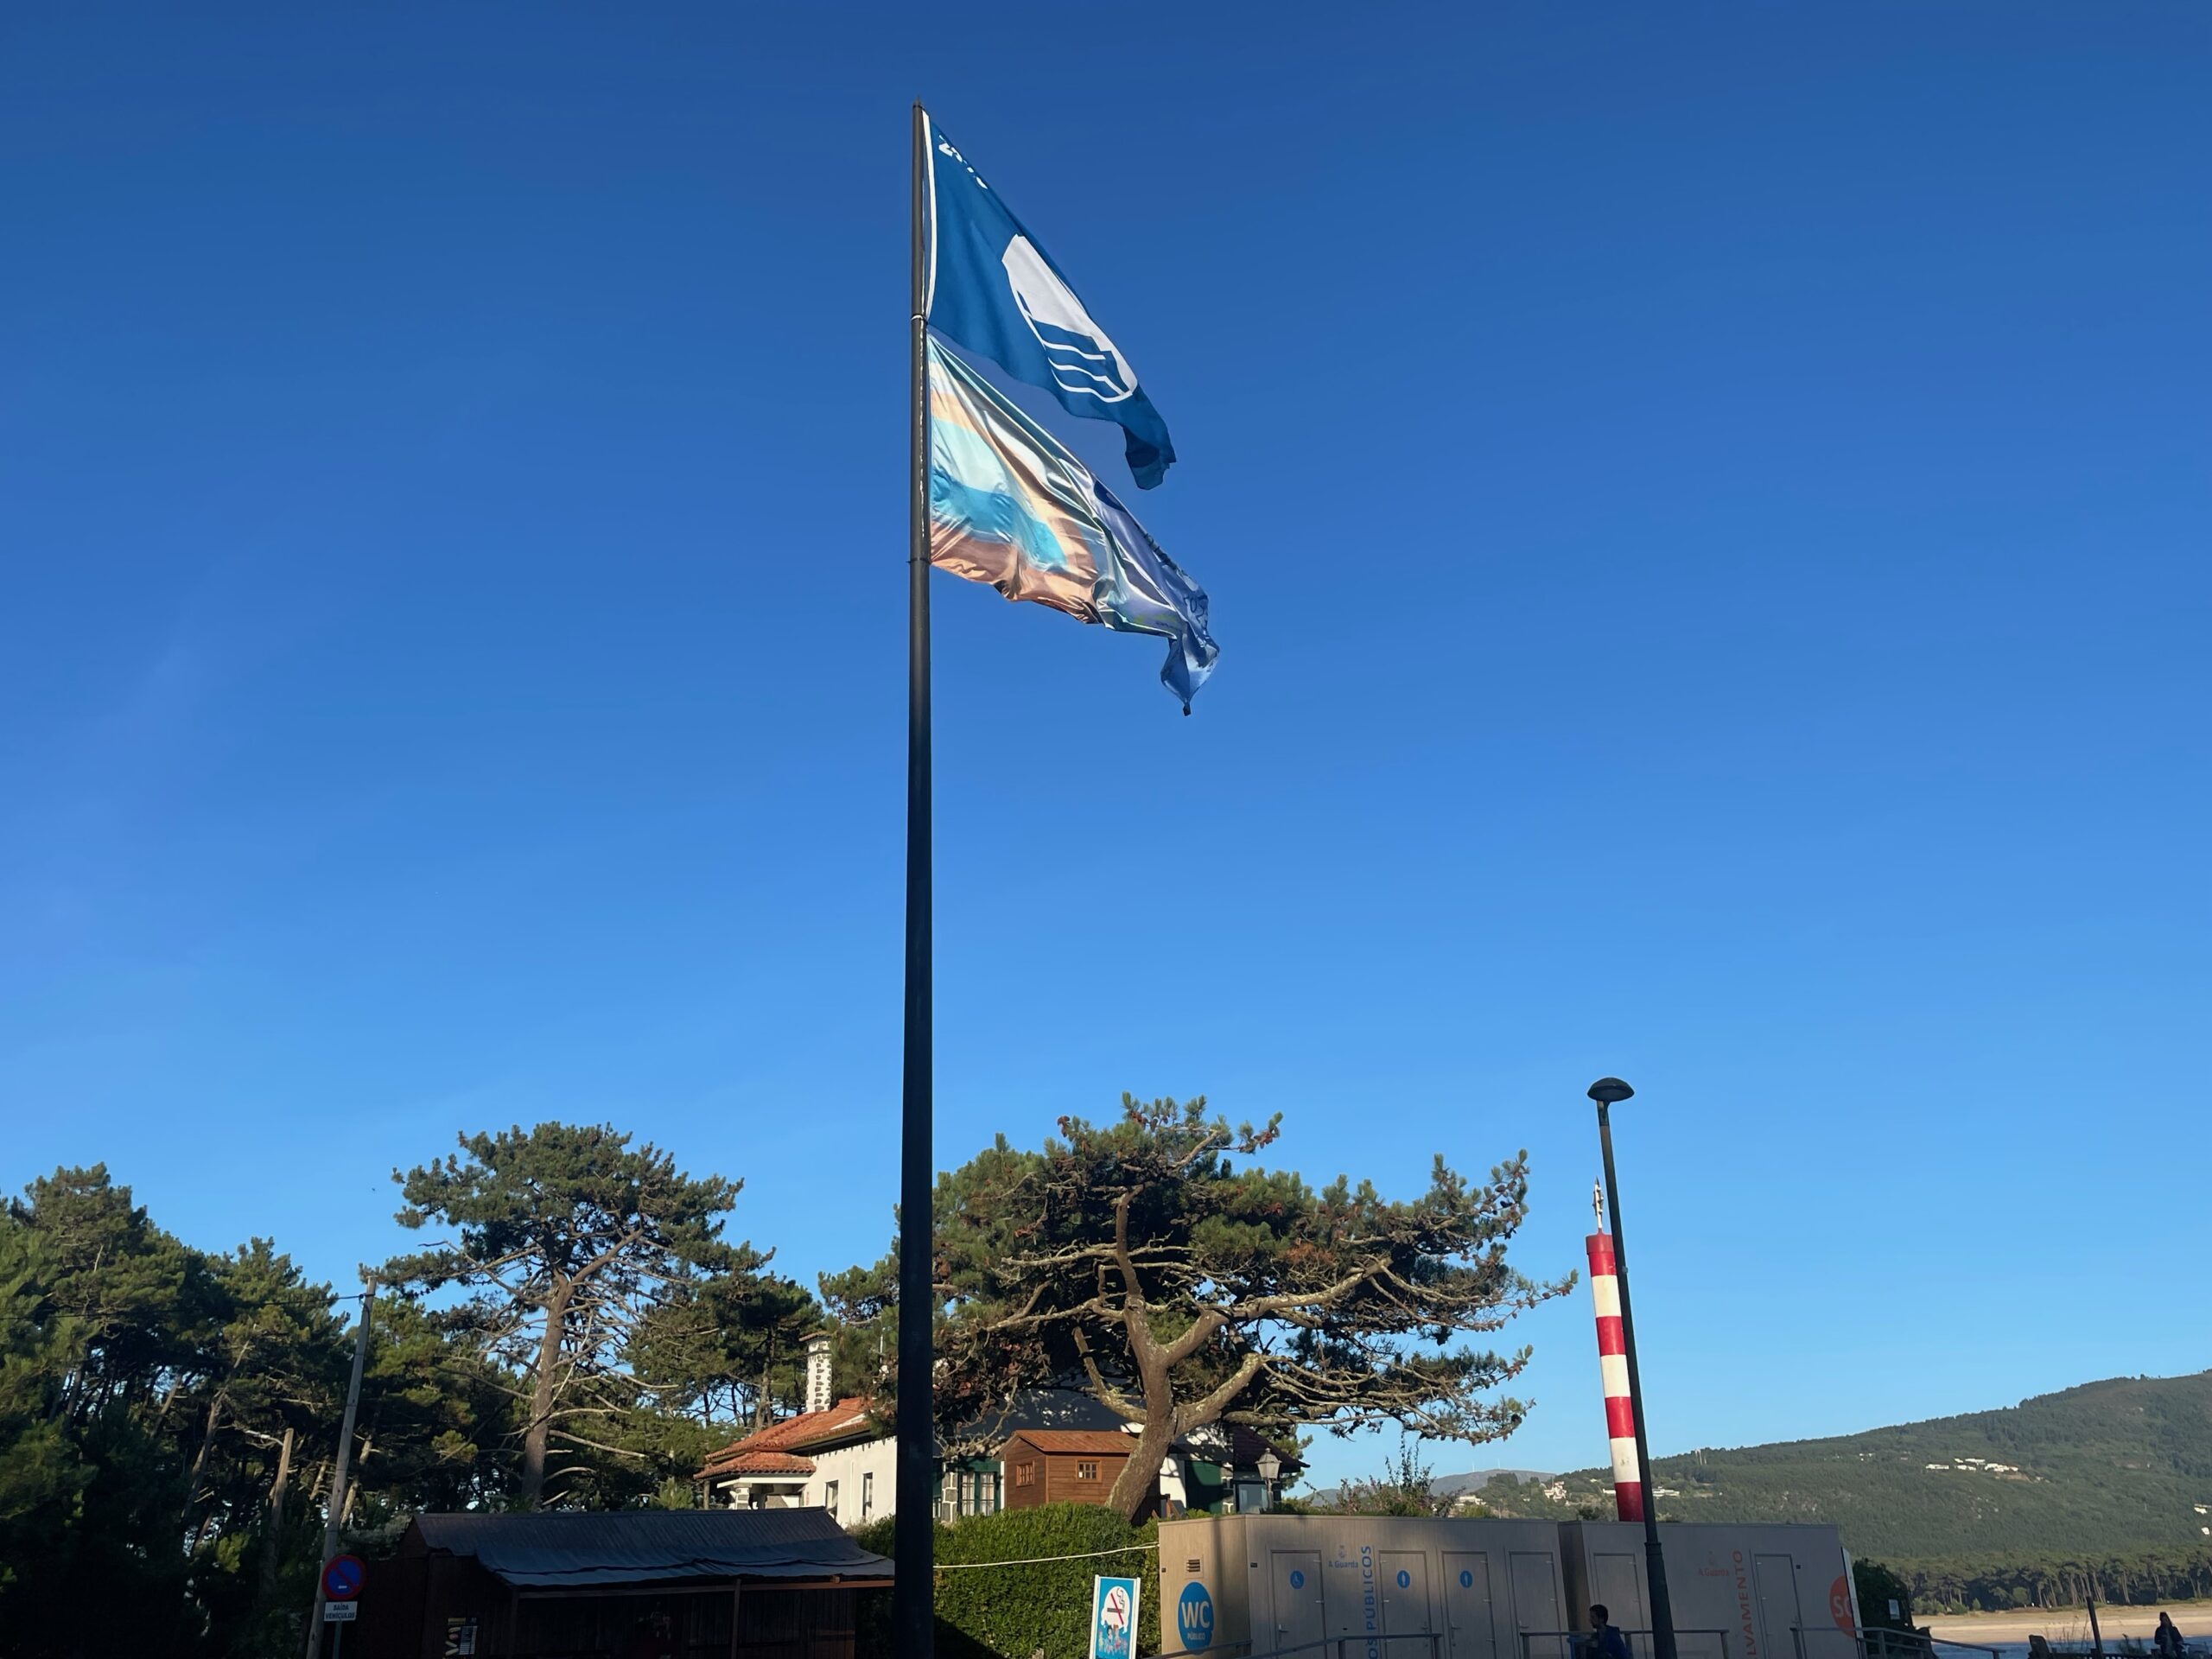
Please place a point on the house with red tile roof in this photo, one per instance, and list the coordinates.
(839, 1455)
(835, 1455)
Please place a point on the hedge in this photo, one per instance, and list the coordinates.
(1015, 1612)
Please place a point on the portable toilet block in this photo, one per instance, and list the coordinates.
(1736, 1592)
(1390, 1586)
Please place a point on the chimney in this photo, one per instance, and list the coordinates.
(818, 1372)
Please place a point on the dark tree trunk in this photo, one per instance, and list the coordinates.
(200, 1467)
(273, 1532)
(1136, 1488)
(538, 1432)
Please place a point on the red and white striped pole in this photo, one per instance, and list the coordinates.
(1613, 1367)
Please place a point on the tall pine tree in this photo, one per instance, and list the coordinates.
(562, 1238)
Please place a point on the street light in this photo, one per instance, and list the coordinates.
(1270, 1465)
(1609, 1092)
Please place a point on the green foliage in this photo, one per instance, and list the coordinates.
(112, 1331)
(564, 1238)
(42, 1478)
(1189, 1288)
(726, 1348)
(863, 1303)
(169, 1417)
(1405, 1487)
(438, 1421)
(1986, 1582)
(1017, 1611)
(1878, 1586)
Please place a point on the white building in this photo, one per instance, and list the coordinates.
(837, 1455)
(834, 1456)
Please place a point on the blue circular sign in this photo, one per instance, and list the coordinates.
(1297, 1579)
(1405, 1579)
(1466, 1579)
(1194, 1618)
(341, 1577)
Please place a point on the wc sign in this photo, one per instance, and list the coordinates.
(1194, 1618)
(1113, 1619)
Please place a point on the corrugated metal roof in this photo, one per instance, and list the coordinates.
(643, 1545)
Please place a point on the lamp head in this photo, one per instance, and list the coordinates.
(1610, 1091)
(1270, 1465)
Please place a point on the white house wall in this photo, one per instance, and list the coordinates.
(847, 1466)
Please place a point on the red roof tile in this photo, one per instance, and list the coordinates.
(759, 1462)
(845, 1420)
(1090, 1442)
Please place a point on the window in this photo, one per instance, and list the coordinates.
(1087, 1470)
(868, 1495)
(1025, 1474)
(967, 1493)
(987, 1500)
(829, 1498)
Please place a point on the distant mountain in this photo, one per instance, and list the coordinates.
(2120, 1466)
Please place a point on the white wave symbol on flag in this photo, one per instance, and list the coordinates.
(1083, 359)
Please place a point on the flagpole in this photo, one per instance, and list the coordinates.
(913, 1622)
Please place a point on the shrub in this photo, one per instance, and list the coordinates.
(1878, 1586)
(1012, 1612)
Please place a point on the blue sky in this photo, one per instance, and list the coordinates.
(1706, 510)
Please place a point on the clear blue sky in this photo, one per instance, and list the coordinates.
(1706, 511)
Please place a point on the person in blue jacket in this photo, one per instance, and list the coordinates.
(1603, 1642)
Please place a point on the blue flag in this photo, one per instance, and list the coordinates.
(1009, 505)
(994, 291)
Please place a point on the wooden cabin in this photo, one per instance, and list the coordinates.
(686, 1584)
(1063, 1465)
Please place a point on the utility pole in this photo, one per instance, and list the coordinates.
(343, 1467)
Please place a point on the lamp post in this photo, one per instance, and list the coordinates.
(1608, 1092)
(1269, 1466)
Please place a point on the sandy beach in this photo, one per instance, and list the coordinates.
(2069, 1623)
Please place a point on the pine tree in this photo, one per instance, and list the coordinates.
(1184, 1291)
(563, 1238)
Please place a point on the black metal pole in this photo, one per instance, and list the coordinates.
(1606, 1091)
(912, 1625)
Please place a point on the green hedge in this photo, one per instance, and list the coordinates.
(1012, 1612)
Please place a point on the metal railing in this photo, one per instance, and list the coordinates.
(1341, 1647)
(1581, 1644)
(1826, 1642)
(1877, 1643)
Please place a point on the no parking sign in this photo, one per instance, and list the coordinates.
(342, 1577)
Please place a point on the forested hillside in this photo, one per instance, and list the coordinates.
(2123, 1466)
